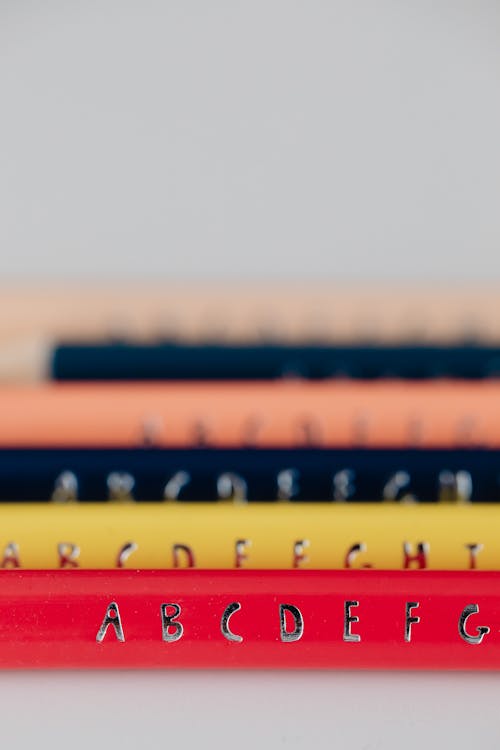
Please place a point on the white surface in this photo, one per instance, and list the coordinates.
(253, 138)
(264, 139)
(250, 710)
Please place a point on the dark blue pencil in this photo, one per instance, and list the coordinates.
(177, 361)
(209, 474)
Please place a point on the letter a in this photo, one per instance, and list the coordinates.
(11, 556)
(112, 617)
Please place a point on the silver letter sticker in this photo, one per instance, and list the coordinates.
(124, 553)
(289, 636)
(174, 485)
(224, 623)
(420, 557)
(231, 486)
(170, 621)
(410, 619)
(482, 630)
(353, 552)
(287, 481)
(474, 550)
(65, 488)
(112, 617)
(11, 556)
(240, 549)
(454, 487)
(176, 557)
(68, 554)
(299, 556)
(395, 484)
(348, 619)
(120, 486)
(343, 485)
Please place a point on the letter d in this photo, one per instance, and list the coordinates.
(289, 636)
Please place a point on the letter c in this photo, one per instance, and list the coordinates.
(224, 623)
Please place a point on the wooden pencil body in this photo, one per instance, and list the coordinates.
(233, 536)
(288, 414)
(238, 311)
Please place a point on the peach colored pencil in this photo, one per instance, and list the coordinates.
(288, 413)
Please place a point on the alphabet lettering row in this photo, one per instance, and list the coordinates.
(415, 556)
(172, 629)
(347, 484)
(244, 474)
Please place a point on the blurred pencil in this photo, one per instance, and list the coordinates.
(392, 414)
(222, 361)
(243, 474)
(250, 312)
(228, 535)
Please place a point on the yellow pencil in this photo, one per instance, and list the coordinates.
(250, 536)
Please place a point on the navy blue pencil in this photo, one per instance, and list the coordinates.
(250, 474)
(185, 361)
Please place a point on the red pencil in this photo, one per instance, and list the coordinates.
(272, 619)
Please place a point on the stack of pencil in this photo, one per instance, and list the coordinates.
(250, 477)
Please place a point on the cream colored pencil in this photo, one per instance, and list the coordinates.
(248, 312)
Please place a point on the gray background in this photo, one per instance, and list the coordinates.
(254, 139)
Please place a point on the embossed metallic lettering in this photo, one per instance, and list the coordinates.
(287, 481)
(112, 617)
(454, 487)
(182, 550)
(224, 622)
(299, 556)
(353, 552)
(474, 550)
(289, 636)
(170, 621)
(395, 484)
(124, 553)
(348, 620)
(175, 485)
(419, 557)
(120, 486)
(240, 548)
(343, 485)
(10, 557)
(482, 630)
(152, 428)
(410, 619)
(65, 488)
(68, 554)
(231, 486)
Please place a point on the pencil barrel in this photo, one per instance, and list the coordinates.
(184, 361)
(250, 475)
(238, 312)
(256, 536)
(289, 414)
(270, 619)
